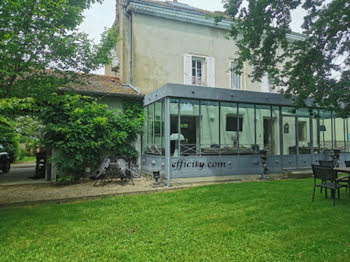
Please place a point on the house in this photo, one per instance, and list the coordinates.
(202, 118)
(171, 42)
(107, 90)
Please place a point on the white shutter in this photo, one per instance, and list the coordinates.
(188, 70)
(211, 72)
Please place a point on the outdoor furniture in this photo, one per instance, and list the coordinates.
(115, 168)
(344, 180)
(328, 178)
(326, 163)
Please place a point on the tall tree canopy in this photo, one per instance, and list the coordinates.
(38, 35)
(317, 66)
(41, 50)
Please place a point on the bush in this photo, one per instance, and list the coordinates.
(83, 131)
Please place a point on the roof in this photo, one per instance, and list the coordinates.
(103, 85)
(180, 6)
(220, 94)
(186, 13)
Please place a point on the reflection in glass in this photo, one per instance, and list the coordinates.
(339, 134)
(315, 132)
(325, 130)
(209, 130)
(304, 139)
(275, 133)
(158, 128)
(264, 127)
(229, 128)
(150, 129)
(174, 127)
(246, 134)
(189, 127)
(145, 128)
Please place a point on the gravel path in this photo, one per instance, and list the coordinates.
(35, 193)
(47, 192)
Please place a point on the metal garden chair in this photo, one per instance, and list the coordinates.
(328, 178)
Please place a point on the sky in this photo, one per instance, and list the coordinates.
(102, 15)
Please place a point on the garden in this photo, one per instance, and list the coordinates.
(254, 221)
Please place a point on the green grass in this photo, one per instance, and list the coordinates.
(268, 221)
(26, 159)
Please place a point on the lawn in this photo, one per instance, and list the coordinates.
(266, 221)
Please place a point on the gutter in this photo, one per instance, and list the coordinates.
(129, 17)
(187, 16)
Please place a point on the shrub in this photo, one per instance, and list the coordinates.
(83, 131)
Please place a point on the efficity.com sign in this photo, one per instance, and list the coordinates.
(183, 164)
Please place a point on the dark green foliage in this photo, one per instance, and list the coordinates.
(39, 35)
(318, 66)
(216, 16)
(83, 131)
(41, 51)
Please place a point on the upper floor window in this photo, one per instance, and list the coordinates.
(272, 87)
(236, 81)
(198, 71)
(267, 84)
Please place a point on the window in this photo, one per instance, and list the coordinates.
(272, 87)
(231, 123)
(198, 71)
(302, 131)
(235, 78)
(268, 84)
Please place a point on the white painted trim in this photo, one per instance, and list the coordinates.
(241, 78)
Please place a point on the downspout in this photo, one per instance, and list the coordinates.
(129, 17)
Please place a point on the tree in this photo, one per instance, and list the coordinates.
(42, 51)
(41, 35)
(318, 65)
(80, 129)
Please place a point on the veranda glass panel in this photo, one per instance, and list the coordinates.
(315, 132)
(263, 127)
(304, 131)
(339, 134)
(210, 128)
(289, 131)
(158, 128)
(347, 134)
(189, 126)
(229, 128)
(246, 128)
(275, 132)
(150, 130)
(304, 138)
(144, 135)
(174, 127)
(325, 130)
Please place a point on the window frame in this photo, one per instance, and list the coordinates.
(239, 123)
(231, 77)
(203, 60)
